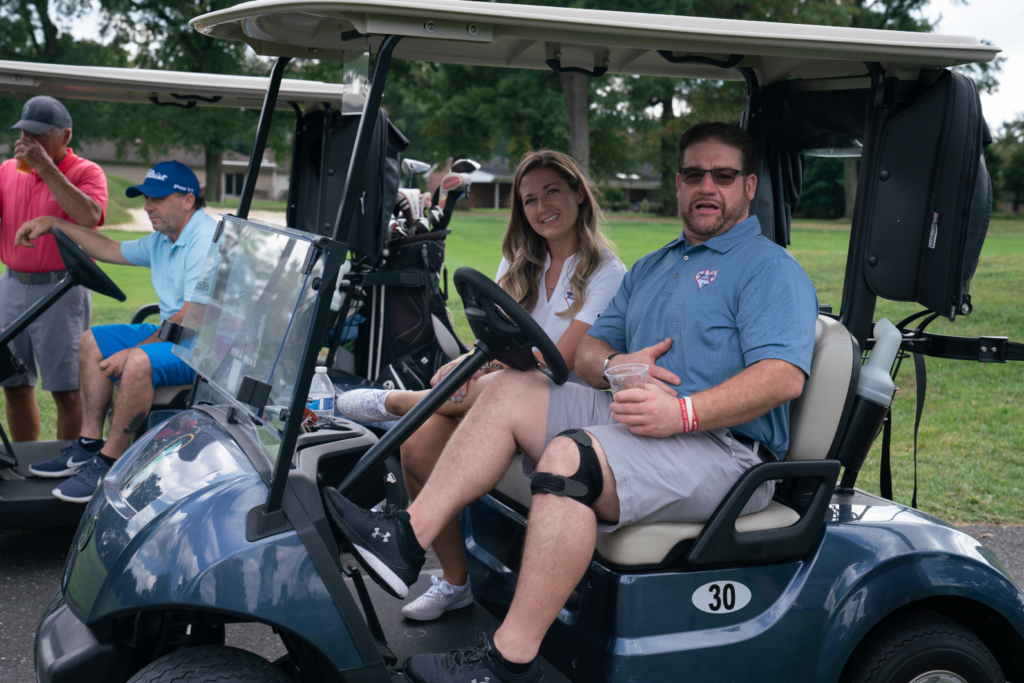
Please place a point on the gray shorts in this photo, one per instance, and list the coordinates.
(51, 342)
(680, 478)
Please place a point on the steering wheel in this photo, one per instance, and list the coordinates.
(505, 327)
(83, 270)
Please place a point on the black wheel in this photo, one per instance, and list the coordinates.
(923, 647)
(210, 663)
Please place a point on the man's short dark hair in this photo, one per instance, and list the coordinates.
(199, 203)
(726, 134)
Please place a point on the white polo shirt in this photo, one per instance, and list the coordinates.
(601, 287)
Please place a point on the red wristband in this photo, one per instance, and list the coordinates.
(689, 416)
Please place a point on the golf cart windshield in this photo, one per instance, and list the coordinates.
(250, 318)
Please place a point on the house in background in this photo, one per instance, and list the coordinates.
(492, 185)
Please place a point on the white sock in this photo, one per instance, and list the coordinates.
(460, 588)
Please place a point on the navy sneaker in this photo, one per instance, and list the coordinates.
(79, 488)
(383, 542)
(482, 662)
(71, 459)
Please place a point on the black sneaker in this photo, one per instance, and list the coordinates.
(383, 542)
(479, 663)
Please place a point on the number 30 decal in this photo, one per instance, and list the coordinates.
(721, 597)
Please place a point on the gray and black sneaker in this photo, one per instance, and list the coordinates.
(482, 662)
(383, 542)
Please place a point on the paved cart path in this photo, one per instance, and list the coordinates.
(31, 564)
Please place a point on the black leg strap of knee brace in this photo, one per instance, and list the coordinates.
(586, 485)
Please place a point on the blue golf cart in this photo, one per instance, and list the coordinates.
(215, 516)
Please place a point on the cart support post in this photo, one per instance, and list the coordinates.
(364, 133)
(262, 131)
(334, 254)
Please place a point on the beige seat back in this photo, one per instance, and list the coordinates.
(821, 410)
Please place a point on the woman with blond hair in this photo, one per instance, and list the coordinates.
(559, 265)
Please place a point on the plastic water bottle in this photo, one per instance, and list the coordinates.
(321, 394)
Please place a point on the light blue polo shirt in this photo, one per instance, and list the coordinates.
(727, 303)
(174, 266)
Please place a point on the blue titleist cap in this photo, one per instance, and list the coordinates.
(165, 178)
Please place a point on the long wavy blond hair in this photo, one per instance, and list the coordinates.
(525, 250)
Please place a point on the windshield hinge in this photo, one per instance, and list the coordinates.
(312, 254)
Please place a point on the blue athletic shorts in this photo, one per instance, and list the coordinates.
(168, 369)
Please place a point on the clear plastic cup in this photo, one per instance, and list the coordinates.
(627, 376)
(23, 166)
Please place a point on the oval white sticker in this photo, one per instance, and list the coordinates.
(721, 597)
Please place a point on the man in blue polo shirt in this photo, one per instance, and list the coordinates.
(131, 355)
(725, 320)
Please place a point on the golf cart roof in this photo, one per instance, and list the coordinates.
(26, 79)
(527, 36)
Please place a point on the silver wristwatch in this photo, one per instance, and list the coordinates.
(604, 367)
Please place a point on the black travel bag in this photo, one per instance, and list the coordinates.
(929, 197)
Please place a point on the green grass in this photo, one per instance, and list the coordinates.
(117, 203)
(257, 205)
(970, 446)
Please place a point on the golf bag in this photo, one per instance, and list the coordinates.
(410, 334)
(928, 197)
(323, 147)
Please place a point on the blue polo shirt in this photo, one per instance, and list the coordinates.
(736, 299)
(174, 266)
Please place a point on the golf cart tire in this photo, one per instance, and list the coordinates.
(56, 600)
(913, 643)
(210, 663)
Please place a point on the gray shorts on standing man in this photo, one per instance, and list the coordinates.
(50, 344)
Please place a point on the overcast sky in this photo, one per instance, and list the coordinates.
(998, 21)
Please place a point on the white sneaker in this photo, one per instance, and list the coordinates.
(441, 597)
(365, 405)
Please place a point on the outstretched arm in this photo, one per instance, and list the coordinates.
(99, 247)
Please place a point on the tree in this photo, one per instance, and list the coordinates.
(36, 31)
(160, 32)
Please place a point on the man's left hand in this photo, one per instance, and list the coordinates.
(648, 412)
(114, 366)
(32, 230)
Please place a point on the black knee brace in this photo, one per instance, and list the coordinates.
(586, 485)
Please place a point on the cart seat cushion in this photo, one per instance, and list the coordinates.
(646, 544)
(816, 417)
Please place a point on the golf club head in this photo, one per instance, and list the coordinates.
(465, 166)
(413, 168)
(452, 183)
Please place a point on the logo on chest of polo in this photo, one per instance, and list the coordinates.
(568, 295)
(705, 278)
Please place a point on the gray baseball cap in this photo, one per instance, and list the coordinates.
(42, 113)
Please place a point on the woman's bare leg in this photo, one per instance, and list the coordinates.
(401, 402)
(419, 455)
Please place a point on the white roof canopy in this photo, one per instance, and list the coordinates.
(525, 36)
(26, 79)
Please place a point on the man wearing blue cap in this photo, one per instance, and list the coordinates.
(132, 355)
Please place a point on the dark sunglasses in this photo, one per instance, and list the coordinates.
(720, 176)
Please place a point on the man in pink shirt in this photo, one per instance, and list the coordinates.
(45, 179)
